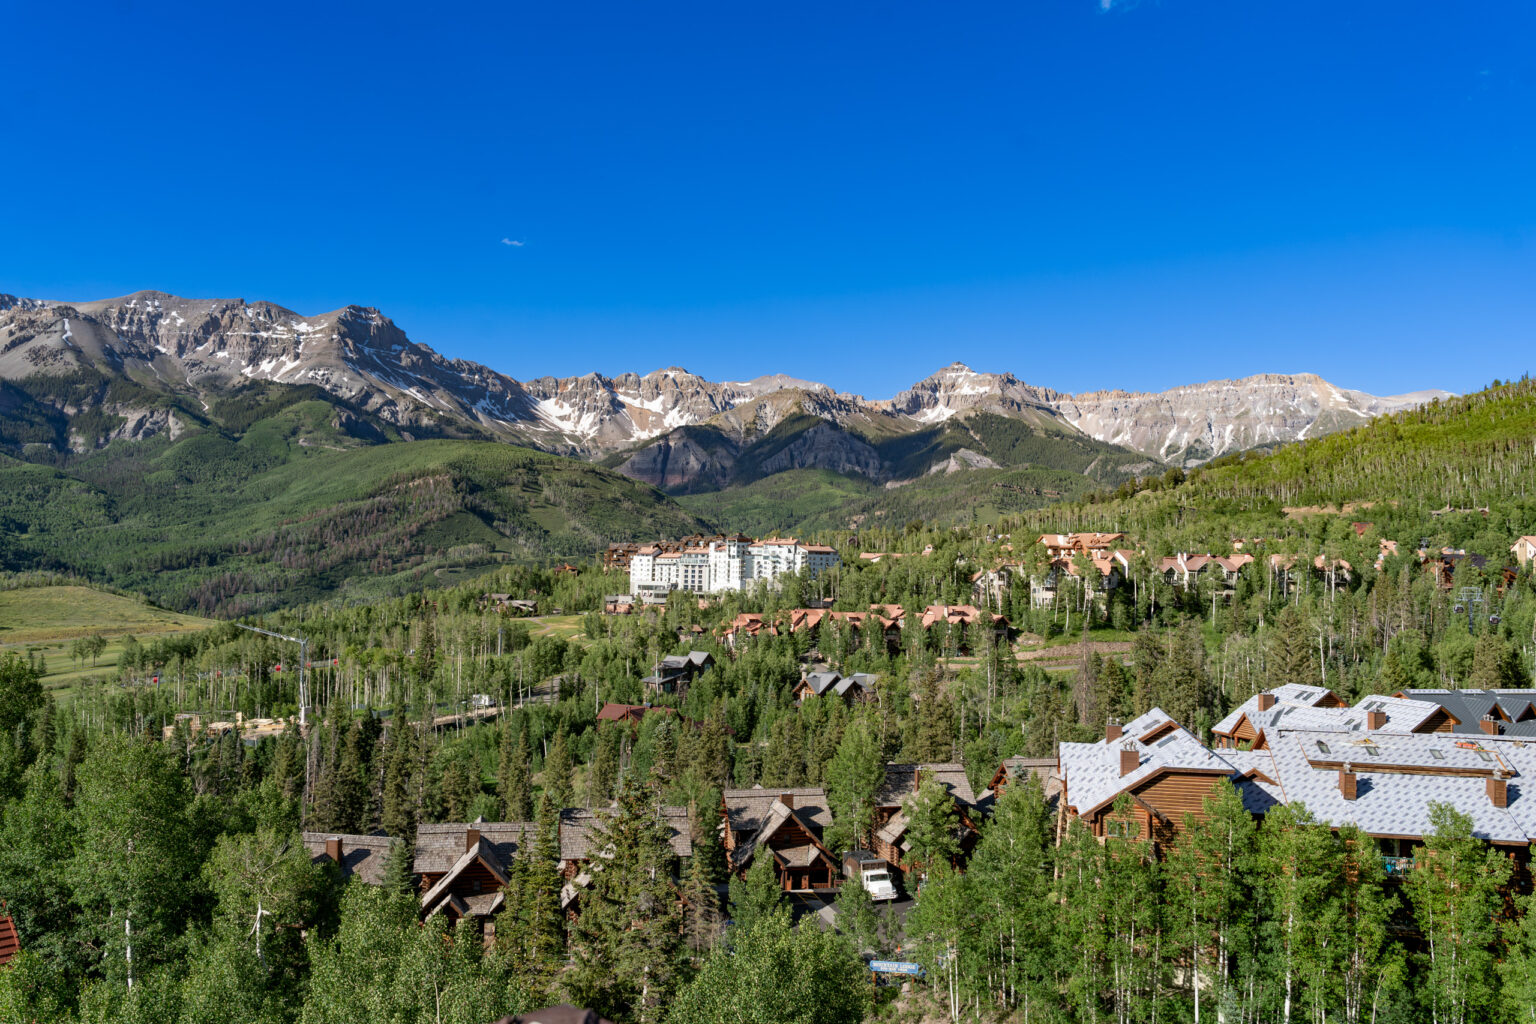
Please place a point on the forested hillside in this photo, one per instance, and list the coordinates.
(224, 525)
(1035, 922)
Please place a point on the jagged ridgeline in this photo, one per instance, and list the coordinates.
(1446, 461)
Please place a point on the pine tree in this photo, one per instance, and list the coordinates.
(544, 924)
(1292, 655)
(628, 937)
(557, 771)
(933, 824)
(400, 783)
(1496, 665)
(459, 786)
(933, 733)
(327, 813)
(604, 769)
(351, 783)
(514, 779)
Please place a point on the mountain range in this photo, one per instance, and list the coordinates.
(78, 375)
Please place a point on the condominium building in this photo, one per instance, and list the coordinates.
(726, 563)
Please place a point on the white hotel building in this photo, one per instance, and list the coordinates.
(731, 564)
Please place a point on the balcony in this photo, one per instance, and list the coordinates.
(1397, 867)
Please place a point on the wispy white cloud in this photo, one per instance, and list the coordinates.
(511, 241)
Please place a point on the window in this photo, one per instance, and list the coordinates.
(1167, 740)
(1373, 750)
(1437, 755)
(1322, 748)
(1120, 829)
(1485, 755)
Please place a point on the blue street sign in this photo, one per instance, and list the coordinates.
(895, 967)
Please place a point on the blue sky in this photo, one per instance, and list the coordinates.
(1136, 194)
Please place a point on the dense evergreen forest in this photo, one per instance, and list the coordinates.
(121, 826)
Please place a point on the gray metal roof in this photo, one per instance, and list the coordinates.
(1289, 693)
(1091, 771)
(1469, 707)
(1396, 802)
(1398, 773)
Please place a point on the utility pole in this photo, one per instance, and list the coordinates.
(303, 664)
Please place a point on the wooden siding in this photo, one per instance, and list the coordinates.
(1160, 804)
(1440, 721)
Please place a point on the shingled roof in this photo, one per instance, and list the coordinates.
(439, 847)
(578, 825)
(1513, 708)
(901, 782)
(1395, 786)
(1091, 771)
(747, 809)
(362, 857)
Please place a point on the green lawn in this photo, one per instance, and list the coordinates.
(46, 620)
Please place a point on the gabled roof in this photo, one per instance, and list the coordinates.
(440, 845)
(1091, 771)
(578, 831)
(747, 809)
(1396, 802)
(1403, 716)
(362, 857)
(1514, 709)
(482, 853)
(901, 782)
(777, 817)
(1288, 693)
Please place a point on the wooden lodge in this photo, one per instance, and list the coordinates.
(787, 824)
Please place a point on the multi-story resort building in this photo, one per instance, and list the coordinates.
(720, 564)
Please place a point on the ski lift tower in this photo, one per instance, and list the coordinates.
(303, 664)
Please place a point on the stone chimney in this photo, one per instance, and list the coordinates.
(1375, 719)
(333, 848)
(1266, 701)
(1489, 725)
(1112, 731)
(787, 799)
(1130, 759)
(471, 838)
(1498, 790)
(1348, 784)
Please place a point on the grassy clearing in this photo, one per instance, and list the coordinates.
(566, 626)
(47, 620)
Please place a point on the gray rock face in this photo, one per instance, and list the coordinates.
(1189, 425)
(202, 347)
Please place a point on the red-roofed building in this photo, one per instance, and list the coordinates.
(10, 942)
(611, 712)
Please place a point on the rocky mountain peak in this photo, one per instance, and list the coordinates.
(205, 346)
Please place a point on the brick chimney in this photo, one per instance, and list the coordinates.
(1375, 719)
(1130, 759)
(1489, 725)
(1498, 791)
(1112, 731)
(1348, 784)
(1266, 701)
(333, 848)
(787, 799)
(471, 838)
